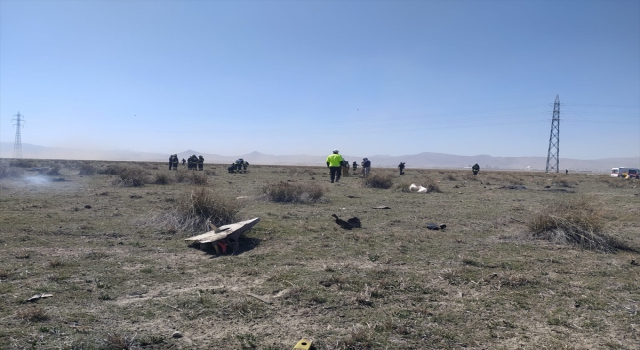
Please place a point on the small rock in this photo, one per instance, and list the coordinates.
(176, 334)
(87, 206)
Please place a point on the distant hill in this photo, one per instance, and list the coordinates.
(420, 160)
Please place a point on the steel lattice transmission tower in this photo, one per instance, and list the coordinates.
(17, 146)
(554, 139)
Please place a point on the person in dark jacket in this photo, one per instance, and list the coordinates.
(366, 167)
(174, 162)
(475, 169)
(200, 163)
(401, 167)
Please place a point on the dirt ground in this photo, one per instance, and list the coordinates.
(120, 280)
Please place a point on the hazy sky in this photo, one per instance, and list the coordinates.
(305, 77)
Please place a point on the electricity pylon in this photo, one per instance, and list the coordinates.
(17, 146)
(554, 139)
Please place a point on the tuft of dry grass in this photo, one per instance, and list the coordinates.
(297, 192)
(55, 263)
(22, 163)
(4, 274)
(161, 179)
(194, 211)
(32, 314)
(378, 181)
(7, 171)
(54, 170)
(115, 341)
(112, 169)
(575, 222)
(87, 169)
(131, 177)
(198, 178)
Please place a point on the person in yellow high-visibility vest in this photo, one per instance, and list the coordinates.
(334, 163)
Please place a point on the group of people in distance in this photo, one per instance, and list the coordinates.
(338, 166)
(237, 167)
(195, 162)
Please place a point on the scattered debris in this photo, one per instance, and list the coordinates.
(39, 296)
(262, 299)
(176, 334)
(547, 186)
(432, 226)
(560, 190)
(135, 196)
(354, 222)
(231, 233)
(381, 207)
(87, 206)
(634, 263)
(353, 197)
(419, 189)
(242, 197)
(303, 344)
(514, 187)
(58, 179)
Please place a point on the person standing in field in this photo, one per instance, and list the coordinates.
(174, 162)
(401, 167)
(475, 169)
(200, 163)
(334, 163)
(345, 168)
(366, 167)
(170, 161)
(355, 168)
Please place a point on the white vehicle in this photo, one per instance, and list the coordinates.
(623, 172)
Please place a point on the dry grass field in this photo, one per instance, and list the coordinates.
(527, 260)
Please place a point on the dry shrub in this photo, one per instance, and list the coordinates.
(7, 171)
(115, 341)
(615, 182)
(32, 314)
(196, 210)
(131, 177)
(403, 186)
(575, 222)
(22, 163)
(86, 169)
(297, 192)
(450, 177)
(431, 185)
(198, 178)
(113, 169)
(566, 183)
(181, 175)
(470, 177)
(359, 338)
(161, 179)
(378, 181)
(54, 170)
